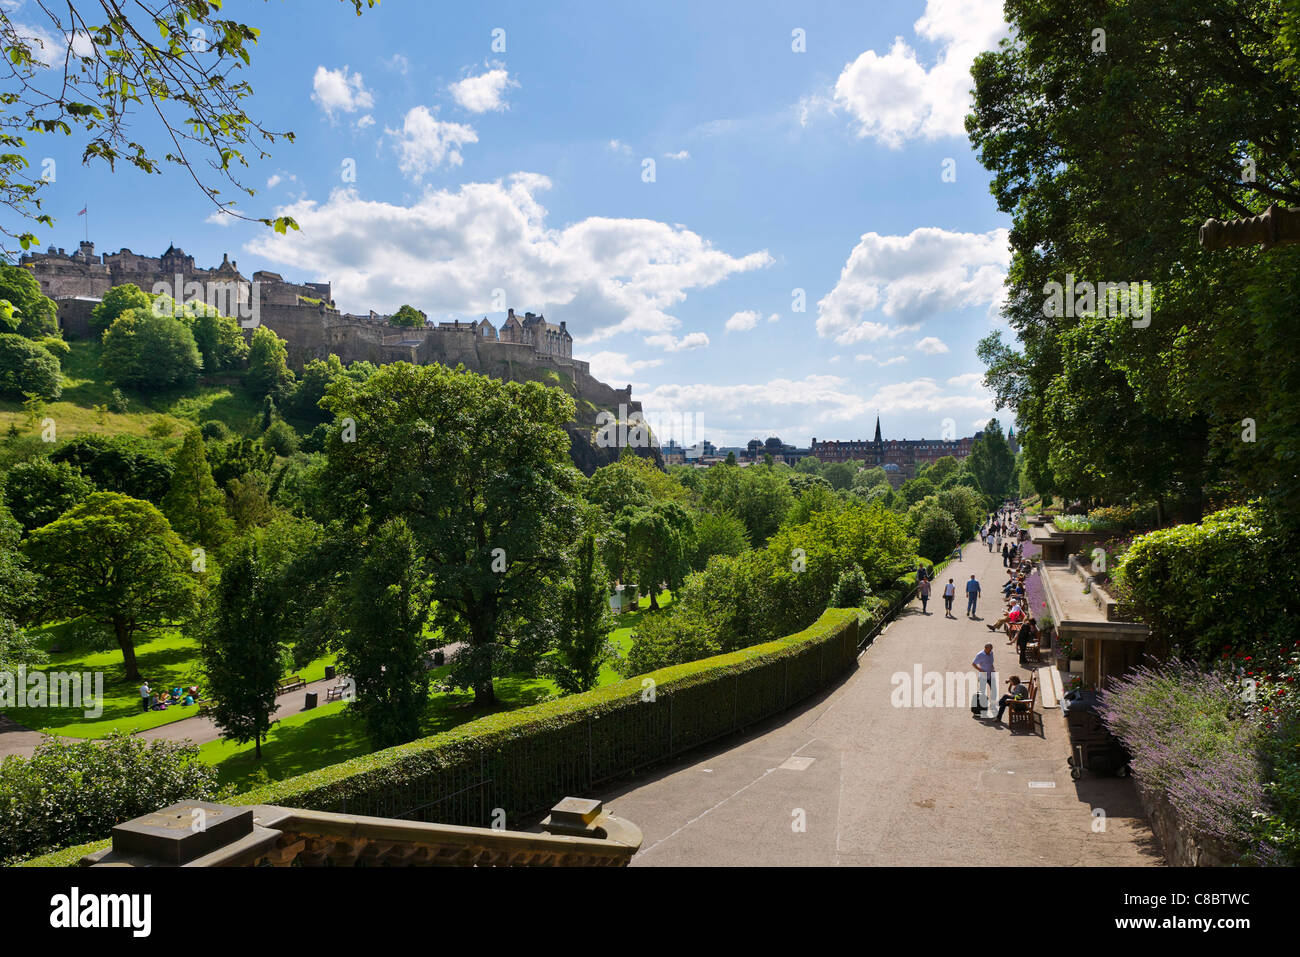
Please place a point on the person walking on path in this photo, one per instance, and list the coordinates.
(972, 596)
(983, 663)
(1006, 555)
(949, 592)
(925, 594)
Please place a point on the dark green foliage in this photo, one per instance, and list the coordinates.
(268, 369)
(27, 368)
(214, 430)
(35, 312)
(115, 302)
(120, 463)
(194, 504)
(383, 646)
(280, 438)
(582, 640)
(409, 317)
(150, 353)
(1226, 584)
(479, 470)
(244, 640)
(237, 458)
(17, 585)
(73, 792)
(851, 589)
(39, 491)
(937, 534)
(115, 560)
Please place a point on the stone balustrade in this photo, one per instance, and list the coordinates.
(577, 833)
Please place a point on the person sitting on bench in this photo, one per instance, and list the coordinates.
(1028, 632)
(1015, 692)
(1011, 617)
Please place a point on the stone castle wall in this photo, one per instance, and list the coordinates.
(314, 332)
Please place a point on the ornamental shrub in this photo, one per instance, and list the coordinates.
(72, 792)
(1224, 583)
(26, 367)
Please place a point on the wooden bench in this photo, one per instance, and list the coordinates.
(291, 683)
(1022, 712)
(335, 693)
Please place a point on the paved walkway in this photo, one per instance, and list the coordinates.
(881, 785)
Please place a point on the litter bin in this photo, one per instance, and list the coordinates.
(311, 701)
(329, 672)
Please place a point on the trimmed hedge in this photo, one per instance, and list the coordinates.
(523, 761)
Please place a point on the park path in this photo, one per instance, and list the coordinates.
(875, 784)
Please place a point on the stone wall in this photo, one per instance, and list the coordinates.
(1181, 847)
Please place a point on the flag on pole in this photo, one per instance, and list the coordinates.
(83, 211)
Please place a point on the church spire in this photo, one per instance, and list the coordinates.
(877, 439)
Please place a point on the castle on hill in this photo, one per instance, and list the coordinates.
(301, 313)
(523, 349)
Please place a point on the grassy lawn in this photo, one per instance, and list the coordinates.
(84, 388)
(166, 660)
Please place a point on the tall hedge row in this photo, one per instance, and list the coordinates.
(524, 761)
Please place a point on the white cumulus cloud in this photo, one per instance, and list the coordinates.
(483, 93)
(340, 91)
(911, 278)
(742, 321)
(425, 142)
(451, 249)
(931, 346)
(894, 97)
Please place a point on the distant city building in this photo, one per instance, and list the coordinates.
(757, 450)
(899, 457)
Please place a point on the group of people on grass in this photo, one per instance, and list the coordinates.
(161, 701)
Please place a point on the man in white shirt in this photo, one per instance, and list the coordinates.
(983, 663)
(145, 695)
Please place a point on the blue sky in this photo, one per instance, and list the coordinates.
(483, 172)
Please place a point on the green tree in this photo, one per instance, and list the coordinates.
(27, 368)
(119, 463)
(840, 474)
(937, 534)
(659, 541)
(18, 586)
(718, 534)
(194, 504)
(1200, 114)
(150, 353)
(39, 491)
(409, 317)
(35, 311)
(383, 644)
(268, 369)
(219, 338)
(118, 562)
(851, 589)
(992, 462)
(139, 67)
(243, 643)
(479, 470)
(115, 302)
(582, 642)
